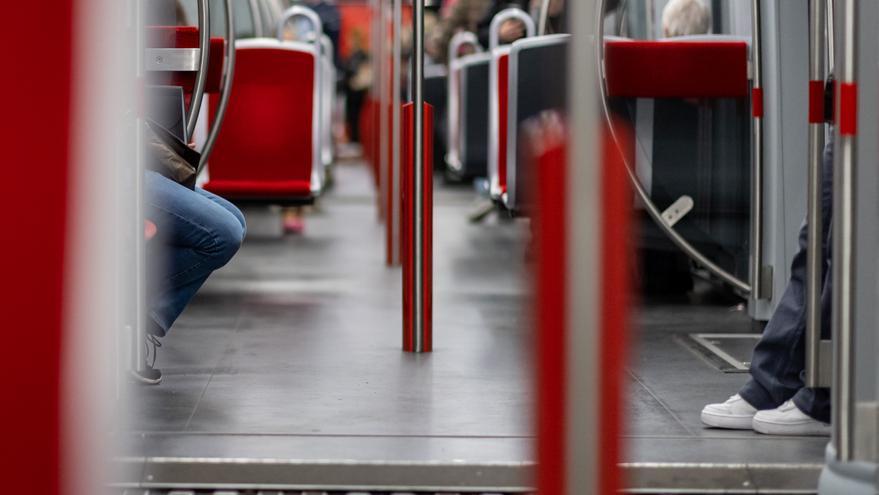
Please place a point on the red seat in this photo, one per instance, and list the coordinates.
(677, 69)
(267, 150)
(497, 159)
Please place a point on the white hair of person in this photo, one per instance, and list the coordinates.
(685, 17)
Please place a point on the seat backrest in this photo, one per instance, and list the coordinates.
(271, 128)
(472, 137)
(537, 83)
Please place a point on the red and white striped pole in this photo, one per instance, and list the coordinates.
(417, 205)
(581, 285)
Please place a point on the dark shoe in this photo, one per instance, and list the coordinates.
(149, 375)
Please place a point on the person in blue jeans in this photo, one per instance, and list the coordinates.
(775, 400)
(197, 233)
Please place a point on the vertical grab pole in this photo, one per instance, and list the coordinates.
(814, 252)
(758, 286)
(418, 148)
(394, 207)
(843, 236)
(138, 353)
(417, 269)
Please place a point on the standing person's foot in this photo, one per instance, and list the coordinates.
(734, 414)
(787, 419)
(149, 375)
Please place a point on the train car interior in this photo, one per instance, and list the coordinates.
(394, 247)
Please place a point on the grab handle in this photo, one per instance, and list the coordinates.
(300, 11)
(505, 15)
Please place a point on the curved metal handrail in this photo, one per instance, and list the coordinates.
(493, 104)
(228, 77)
(201, 77)
(655, 214)
(506, 15)
(300, 11)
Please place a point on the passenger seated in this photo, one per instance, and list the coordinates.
(685, 18)
(775, 400)
(197, 233)
(510, 30)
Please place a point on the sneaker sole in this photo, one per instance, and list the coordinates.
(802, 430)
(145, 381)
(727, 422)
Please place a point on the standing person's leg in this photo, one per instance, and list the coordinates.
(198, 233)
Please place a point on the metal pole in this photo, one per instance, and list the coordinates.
(228, 77)
(831, 36)
(138, 351)
(843, 240)
(758, 289)
(201, 78)
(418, 173)
(258, 27)
(544, 17)
(814, 252)
(394, 217)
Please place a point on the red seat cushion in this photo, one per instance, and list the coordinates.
(266, 144)
(677, 69)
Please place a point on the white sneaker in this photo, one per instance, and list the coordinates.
(734, 414)
(787, 419)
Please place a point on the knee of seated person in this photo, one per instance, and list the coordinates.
(228, 234)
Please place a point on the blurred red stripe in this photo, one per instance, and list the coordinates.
(35, 139)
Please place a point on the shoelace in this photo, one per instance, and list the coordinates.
(152, 343)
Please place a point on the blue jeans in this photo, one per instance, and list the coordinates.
(198, 232)
(778, 363)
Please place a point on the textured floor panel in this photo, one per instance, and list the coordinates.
(293, 351)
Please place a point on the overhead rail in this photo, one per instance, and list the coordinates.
(604, 74)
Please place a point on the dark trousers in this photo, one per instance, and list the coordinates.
(778, 364)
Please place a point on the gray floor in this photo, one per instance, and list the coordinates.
(293, 352)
